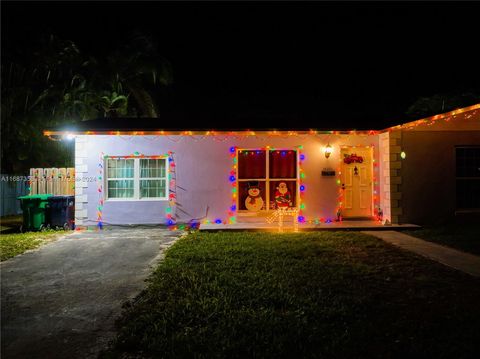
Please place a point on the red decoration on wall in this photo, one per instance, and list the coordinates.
(352, 158)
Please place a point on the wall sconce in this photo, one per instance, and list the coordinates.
(328, 150)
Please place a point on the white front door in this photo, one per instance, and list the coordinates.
(357, 181)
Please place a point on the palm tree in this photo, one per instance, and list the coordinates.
(114, 104)
(134, 68)
(440, 103)
(44, 91)
(60, 85)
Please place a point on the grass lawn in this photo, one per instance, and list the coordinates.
(13, 244)
(465, 237)
(318, 294)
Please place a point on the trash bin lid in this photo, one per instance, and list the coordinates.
(42, 197)
(60, 198)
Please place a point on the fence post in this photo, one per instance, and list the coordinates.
(33, 181)
(71, 181)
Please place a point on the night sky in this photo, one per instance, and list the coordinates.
(321, 65)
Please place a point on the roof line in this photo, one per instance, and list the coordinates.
(434, 118)
(160, 132)
(207, 133)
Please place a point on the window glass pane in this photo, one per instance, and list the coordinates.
(283, 164)
(111, 168)
(468, 193)
(251, 164)
(122, 168)
(151, 168)
(468, 161)
(153, 188)
(120, 188)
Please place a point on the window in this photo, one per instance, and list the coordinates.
(120, 178)
(137, 178)
(266, 171)
(153, 180)
(468, 177)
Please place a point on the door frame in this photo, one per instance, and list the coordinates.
(372, 176)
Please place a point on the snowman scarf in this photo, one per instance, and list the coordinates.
(253, 199)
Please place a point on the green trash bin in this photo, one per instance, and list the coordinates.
(34, 208)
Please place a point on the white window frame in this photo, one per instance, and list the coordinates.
(136, 180)
(459, 210)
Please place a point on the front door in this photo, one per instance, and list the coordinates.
(357, 181)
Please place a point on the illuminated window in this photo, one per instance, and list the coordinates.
(267, 170)
(468, 177)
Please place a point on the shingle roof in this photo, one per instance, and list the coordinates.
(211, 121)
(219, 122)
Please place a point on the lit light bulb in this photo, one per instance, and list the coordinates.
(328, 150)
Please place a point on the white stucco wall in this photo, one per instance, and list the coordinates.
(203, 167)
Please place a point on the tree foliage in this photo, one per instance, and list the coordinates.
(440, 103)
(51, 83)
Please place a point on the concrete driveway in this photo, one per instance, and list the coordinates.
(61, 300)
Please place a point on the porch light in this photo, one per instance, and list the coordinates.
(69, 136)
(328, 150)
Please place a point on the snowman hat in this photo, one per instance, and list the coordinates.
(252, 184)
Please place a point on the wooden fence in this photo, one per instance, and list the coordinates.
(56, 181)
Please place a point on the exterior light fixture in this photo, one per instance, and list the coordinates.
(403, 155)
(70, 136)
(328, 150)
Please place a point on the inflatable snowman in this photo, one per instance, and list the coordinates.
(254, 202)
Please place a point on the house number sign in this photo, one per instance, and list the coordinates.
(328, 172)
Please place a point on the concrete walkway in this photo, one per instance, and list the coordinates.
(61, 301)
(259, 225)
(462, 261)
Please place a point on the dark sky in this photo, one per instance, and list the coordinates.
(325, 65)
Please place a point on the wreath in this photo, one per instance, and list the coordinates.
(352, 158)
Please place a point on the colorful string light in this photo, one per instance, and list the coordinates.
(234, 152)
(232, 211)
(170, 219)
(273, 133)
(100, 191)
(301, 185)
(429, 121)
(228, 135)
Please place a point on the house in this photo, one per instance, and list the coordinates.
(134, 172)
